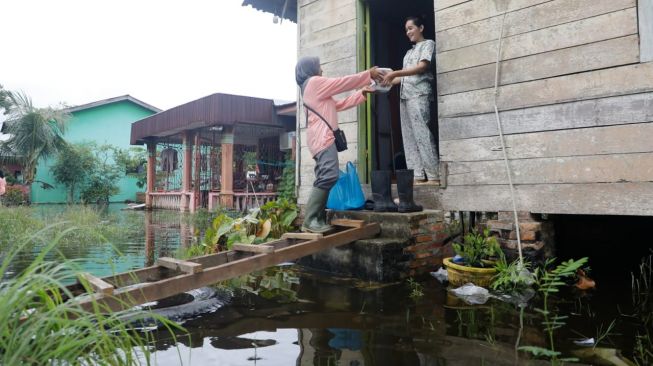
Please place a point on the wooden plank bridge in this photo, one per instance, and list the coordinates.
(173, 276)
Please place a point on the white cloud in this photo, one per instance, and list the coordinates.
(163, 52)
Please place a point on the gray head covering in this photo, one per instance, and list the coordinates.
(306, 67)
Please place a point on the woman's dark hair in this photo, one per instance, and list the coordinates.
(416, 19)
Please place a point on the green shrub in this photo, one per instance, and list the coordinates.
(14, 196)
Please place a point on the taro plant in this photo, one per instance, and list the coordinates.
(281, 213)
(548, 283)
(477, 247)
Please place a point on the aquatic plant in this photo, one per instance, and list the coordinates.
(281, 213)
(643, 310)
(416, 289)
(512, 277)
(548, 282)
(38, 325)
(476, 247)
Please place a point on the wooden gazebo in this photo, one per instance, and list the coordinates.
(198, 151)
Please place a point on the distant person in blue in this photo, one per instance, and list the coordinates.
(416, 79)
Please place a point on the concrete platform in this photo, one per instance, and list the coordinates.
(409, 244)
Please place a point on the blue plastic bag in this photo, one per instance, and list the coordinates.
(347, 194)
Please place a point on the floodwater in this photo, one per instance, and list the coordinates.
(292, 316)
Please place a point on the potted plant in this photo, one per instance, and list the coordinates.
(473, 259)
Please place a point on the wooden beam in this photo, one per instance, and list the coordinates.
(576, 199)
(587, 113)
(253, 248)
(348, 223)
(593, 56)
(473, 11)
(98, 284)
(614, 168)
(587, 85)
(179, 265)
(645, 15)
(618, 24)
(306, 236)
(184, 282)
(619, 139)
(545, 15)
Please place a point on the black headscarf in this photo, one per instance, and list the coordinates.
(306, 67)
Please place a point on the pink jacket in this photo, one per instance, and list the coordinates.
(318, 95)
(3, 186)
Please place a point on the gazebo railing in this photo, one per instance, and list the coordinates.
(245, 201)
(173, 200)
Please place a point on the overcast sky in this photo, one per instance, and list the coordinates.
(162, 52)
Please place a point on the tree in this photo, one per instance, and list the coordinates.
(5, 99)
(35, 134)
(134, 160)
(102, 183)
(74, 164)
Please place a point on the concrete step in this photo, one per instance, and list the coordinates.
(399, 225)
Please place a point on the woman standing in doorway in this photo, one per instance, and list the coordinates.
(317, 92)
(416, 95)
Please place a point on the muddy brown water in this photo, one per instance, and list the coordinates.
(310, 318)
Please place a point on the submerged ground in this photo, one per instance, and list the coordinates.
(288, 315)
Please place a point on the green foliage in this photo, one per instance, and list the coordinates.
(39, 326)
(511, 277)
(249, 158)
(273, 284)
(102, 183)
(477, 247)
(282, 213)
(14, 196)
(548, 282)
(134, 161)
(416, 289)
(5, 99)
(643, 310)
(36, 133)
(286, 187)
(73, 165)
(224, 231)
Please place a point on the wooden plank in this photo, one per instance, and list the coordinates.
(478, 10)
(253, 248)
(185, 282)
(98, 285)
(618, 110)
(443, 4)
(578, 199)
(526, 20)
(305, 236)
(615, 168)
(179, 265)
(593, 56)
(348, 223)
(616, 24)
(619, 139)
(645, 16)
(588, 85)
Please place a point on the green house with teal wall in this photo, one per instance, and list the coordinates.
(106, 121)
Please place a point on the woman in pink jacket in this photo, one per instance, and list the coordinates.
(318, 92)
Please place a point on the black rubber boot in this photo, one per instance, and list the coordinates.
(405, 179)
(381, 192)
(315, 216)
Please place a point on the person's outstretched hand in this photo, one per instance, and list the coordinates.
(375, 74)
(388, 78)
(367, 89)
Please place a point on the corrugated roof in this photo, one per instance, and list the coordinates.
(286, 9)
(213, 110)
(121, 98)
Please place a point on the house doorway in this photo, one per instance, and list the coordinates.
(385, 46)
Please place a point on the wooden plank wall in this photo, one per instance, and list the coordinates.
(327, 29)
(576, 102)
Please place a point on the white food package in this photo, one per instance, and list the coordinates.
(378, 88)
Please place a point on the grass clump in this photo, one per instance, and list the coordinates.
(39, 326)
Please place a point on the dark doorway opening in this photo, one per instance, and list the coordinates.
(388, 44)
